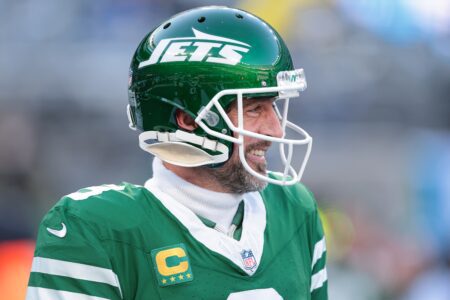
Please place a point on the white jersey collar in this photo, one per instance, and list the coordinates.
(245, 253)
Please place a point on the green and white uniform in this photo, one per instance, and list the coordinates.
(139, 242)
(134, 242)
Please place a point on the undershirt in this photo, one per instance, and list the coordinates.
(216, 207)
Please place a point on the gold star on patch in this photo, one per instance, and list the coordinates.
(172, 279)
(164, 281)
(181, 277)
(188, 275)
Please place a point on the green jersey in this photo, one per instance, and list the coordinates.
(133, 242)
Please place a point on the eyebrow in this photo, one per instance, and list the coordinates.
(256, 100)
(248, 101)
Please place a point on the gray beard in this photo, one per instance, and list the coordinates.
(235, 179)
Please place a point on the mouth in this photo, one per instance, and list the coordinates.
(256, 157)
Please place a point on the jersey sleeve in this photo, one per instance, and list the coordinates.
(319, 278)
(70, 261)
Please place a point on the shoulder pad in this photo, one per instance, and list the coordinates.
(297, 194)
(110, 203)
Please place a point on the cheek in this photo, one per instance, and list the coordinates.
(248, 140)
(252, 124)
(234, 159)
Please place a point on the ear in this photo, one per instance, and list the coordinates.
(185, 121)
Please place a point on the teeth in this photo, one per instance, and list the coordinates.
(257, 152)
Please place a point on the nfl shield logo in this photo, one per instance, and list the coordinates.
(248, 259)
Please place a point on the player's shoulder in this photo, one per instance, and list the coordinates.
(294, 196)
(109, 204)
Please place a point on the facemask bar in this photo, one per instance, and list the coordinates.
(286, 161)
(283, 118)
(292, 126)
(289, 175)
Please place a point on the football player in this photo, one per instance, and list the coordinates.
(213, 222)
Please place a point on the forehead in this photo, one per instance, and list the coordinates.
(250, 101)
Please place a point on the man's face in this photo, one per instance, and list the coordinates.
(259, 117)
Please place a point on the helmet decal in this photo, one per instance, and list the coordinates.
(290, 78)
(174, 50)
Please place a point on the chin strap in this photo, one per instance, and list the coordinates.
(173, 148)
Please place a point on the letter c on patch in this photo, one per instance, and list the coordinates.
(161, 262)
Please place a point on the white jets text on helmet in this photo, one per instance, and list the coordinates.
(174, 50)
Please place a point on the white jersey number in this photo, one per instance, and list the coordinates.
(94, 191)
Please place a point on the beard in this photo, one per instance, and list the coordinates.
(235, 178)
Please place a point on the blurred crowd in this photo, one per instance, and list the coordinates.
(377, 106)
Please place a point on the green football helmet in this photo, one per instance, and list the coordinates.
(200, 61)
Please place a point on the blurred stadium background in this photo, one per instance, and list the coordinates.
(377, 106)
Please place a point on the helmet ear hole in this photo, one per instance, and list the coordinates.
(185, 121)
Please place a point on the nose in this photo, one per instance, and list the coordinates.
(271, 124)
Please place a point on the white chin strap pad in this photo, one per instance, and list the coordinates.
(174, 149)
(180, 154)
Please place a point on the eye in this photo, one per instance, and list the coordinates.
(253, 110)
